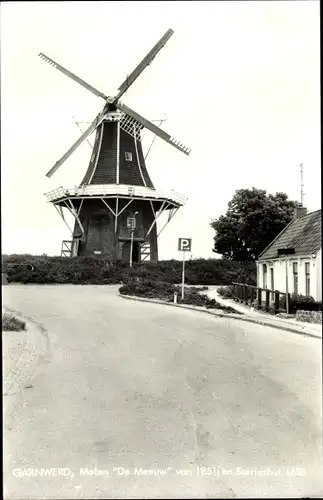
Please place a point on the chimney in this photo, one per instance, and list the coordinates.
(299, 212)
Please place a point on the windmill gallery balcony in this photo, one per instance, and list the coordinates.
(102, 212)
(112, 191)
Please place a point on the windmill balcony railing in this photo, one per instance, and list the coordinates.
(101, 190)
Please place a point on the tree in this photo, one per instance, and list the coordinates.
(252, 221)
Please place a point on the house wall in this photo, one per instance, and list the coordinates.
(319, 275)
(280, 275)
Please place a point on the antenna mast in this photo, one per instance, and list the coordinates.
(302, 185)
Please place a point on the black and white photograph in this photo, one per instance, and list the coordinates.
(161, 249)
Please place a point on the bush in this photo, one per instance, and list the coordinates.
(165, 291)
(226, 292)
(96, 270)
(300, 302)
(10, 323)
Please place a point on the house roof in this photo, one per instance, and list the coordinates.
(303, 234)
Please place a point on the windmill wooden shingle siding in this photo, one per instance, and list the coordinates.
(116, 186)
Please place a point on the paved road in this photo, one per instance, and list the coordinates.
(144, 386)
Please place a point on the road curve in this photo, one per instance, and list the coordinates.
(129, 386)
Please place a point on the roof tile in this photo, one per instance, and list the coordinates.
(303, 234)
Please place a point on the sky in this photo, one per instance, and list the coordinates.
(239, 83)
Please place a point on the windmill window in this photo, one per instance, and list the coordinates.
(128, 156)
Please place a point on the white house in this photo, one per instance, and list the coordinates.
(297, 253)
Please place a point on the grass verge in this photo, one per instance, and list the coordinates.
(12, 324)
(165, 291)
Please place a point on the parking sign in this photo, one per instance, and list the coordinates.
(184, 244)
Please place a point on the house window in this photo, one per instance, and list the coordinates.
(272, 283)
(307, 279)
(295, 276)
(264, 275)
(128, 156)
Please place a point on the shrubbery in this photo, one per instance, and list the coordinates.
(96, 270)
(165, 291)
(10, 323)
(300, 303)
(226, 292)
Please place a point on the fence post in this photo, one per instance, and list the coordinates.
(259, 298)
(267, 299)
(288, 304)
(276, 302)
(252, 295)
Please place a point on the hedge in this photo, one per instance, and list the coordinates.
(12, 324)
(300, 303)
(96, 270)
(165, 291)
(226, 292)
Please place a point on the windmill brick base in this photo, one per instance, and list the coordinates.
(101, 214)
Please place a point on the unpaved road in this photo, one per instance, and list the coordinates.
(144, 386)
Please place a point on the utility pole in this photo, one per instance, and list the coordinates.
(132, 227)
(131, 247)
(302, 185)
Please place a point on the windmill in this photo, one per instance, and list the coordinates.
(116, 193)
(161, 120)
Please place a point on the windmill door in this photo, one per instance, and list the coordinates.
(75, 247)
(135, 251)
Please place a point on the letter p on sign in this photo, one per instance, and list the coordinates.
(184, 244)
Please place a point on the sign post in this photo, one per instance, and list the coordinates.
(184, 245)
(131, 223)
(131, 247)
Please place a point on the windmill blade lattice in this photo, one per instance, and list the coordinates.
(71, 75)
(131, 126)
(131, 121)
